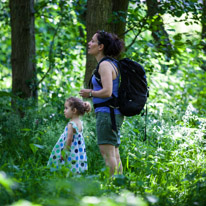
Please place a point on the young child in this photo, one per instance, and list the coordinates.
(70, 148)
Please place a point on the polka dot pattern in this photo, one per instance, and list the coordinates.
(77, 158)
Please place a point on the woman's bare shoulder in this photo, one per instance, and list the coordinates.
(105, 65)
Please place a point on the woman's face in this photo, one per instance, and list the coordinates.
(93, 46)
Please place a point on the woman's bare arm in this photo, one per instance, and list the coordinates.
(107, 75)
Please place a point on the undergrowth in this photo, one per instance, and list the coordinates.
(168, 168)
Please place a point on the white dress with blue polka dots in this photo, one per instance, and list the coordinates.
(76, 158)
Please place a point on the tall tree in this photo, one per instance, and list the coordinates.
(23, 49)
(119, 9)
(203, 21)
(99, 17)
(159, 33)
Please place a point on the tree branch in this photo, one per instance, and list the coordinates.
(141, 26)
(51, 60)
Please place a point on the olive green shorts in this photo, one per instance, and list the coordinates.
(105, 134)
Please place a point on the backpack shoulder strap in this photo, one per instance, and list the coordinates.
(115, 68)
(109, 59)
(103, 59)
(112, 103)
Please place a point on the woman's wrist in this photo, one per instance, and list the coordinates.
(90, 93)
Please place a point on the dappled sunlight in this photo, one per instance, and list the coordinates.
(163, 153)
(179, 26)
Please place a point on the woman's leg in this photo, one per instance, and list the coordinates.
(119, 162)
(109, 154)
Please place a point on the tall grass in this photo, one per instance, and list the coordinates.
(166, 169)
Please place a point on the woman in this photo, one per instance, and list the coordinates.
(101, 45)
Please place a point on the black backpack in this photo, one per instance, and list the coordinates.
(133, 89)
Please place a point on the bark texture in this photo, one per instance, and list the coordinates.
(23, 48)
(99, 17)
(119, 9)
(203, 22)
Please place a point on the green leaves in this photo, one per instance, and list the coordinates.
(6, 182)
(35, 147)
(167, 169)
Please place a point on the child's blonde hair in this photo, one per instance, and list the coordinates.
(79, 104)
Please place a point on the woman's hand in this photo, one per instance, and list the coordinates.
(85, 93)
(107, 74)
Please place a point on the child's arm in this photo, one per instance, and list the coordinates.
(69, 137)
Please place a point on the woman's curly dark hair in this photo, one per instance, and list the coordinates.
(113, 45)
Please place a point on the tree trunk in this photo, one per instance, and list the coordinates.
(23, 49)
(159, 33)
(98, 17)
(120, 9)
(203, 22)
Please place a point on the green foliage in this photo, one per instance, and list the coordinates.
(5, 45)
(59, 49)
(166, 169)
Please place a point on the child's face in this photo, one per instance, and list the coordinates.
(67, 110)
